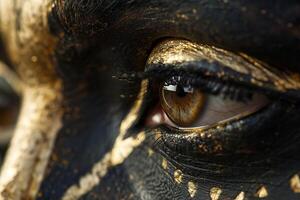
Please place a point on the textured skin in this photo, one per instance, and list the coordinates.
(88, 53)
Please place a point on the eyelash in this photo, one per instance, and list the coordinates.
(241, 91)
(214, 87)
(210, 85)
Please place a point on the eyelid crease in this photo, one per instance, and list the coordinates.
(173, 56)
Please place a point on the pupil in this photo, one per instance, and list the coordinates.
(180, 92)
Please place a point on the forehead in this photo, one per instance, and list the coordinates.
(267, 30)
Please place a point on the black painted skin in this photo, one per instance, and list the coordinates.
(105, 39)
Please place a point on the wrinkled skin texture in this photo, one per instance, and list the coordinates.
(71, 57)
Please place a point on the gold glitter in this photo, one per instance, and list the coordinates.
(157, 135)
(178, 176)
(171, 52)
(295, 183)
(241, 196)
(164, 163)
(262, 192)
(150, 152)
(215, 193)
(203, 148)
(192, 188)
(34, 59)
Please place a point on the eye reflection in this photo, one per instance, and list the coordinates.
(189, 107)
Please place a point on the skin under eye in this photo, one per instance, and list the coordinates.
(188, 107)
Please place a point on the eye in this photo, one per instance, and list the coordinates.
(181, 104)
(198, 86)
(208, 101)
(188, 107)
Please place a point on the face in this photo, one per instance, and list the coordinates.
(157, 99)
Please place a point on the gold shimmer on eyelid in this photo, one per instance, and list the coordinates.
(178, 176)
(164, 163)
(262, 192)
(192, 188)
(295, 183)
(241, 196)
(215, 193)
(177, 52)
(291, 80)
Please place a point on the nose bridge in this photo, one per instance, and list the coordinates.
(30, 48)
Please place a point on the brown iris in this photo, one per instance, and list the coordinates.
(182, 105)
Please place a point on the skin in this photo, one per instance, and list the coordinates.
(77, 63)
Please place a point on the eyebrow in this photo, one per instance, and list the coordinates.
(265, 30)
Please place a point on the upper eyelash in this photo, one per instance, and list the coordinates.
(214, 87)
(242, 89)
(211, 85)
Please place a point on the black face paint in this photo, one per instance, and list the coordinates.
(89, 61)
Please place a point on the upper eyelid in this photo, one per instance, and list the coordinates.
(182, 54)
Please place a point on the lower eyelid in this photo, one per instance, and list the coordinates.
(223, 138)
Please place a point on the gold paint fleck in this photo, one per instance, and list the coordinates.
(157, 135)
(203, 148)
(215, 193)
(218, 148)
(164, 163)
(182, 16)
(192, 188)
(295, 183)
(178, 176)
(34, 59)
(262, 192)
(150, 152)
(241, 196)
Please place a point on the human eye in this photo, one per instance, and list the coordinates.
(187, 106)
(189, 97)
(214, 114)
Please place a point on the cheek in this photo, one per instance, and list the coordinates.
(236, 179)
